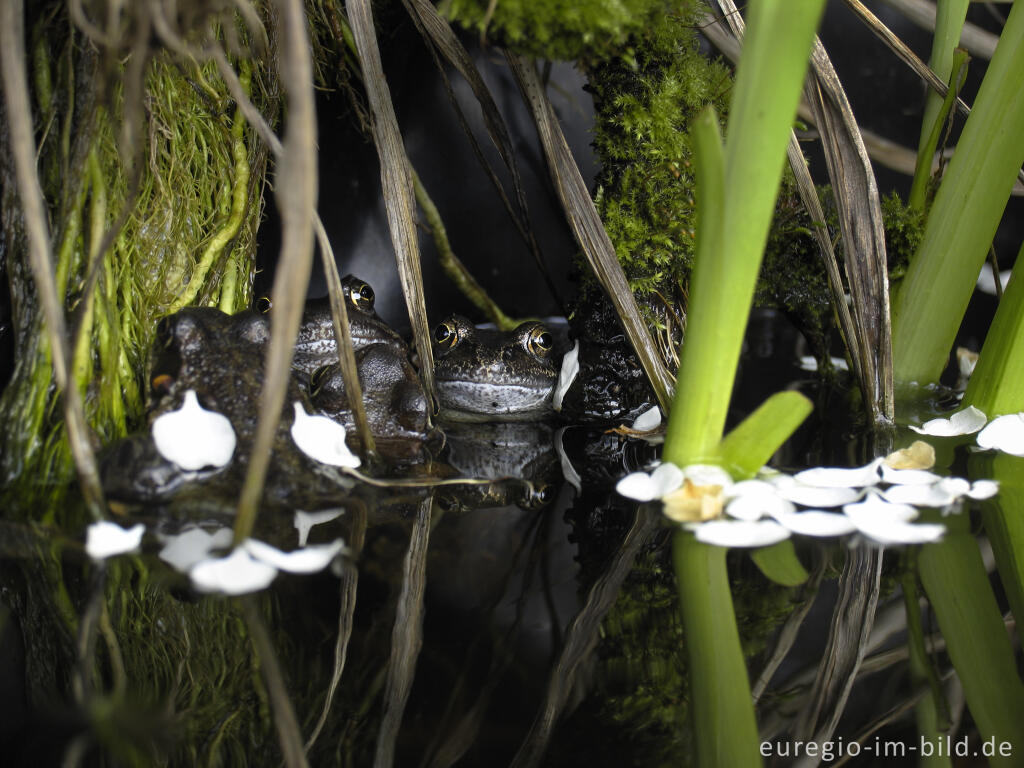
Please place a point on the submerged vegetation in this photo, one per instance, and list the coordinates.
(152, 140)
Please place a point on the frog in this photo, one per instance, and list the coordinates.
(315, 346)
(485, 375)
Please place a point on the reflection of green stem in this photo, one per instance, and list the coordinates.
(957, 585)
(921, 672)
(1003, 518)
(723, 718)
(239, 207)
(452, 264)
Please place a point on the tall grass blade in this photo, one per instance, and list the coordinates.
(296, 189)
(588, 229)
(396, 182)
(933, 297)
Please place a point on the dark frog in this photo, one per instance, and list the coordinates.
(490, 375)
(396, 405)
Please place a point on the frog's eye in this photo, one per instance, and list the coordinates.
(361, 295)
(317, 379)
(446, 334)
(539, 341)
(263, 304)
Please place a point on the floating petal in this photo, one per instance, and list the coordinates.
(321, 439)
(648, 420)
(1005, 433)
(309, 559)
(236, 574)
(983, 489)
(304, 521)
(567, 375)
(875, 507)
(813, 496)
(754, 502)
(641, 486)
(816, 522)
(908, 476)
(837, 477)
(193, 437)
(740, 533)
(964, 422)
(707, 474)
(104, 539)
(888, 532)
(940, 494)
(185, 549)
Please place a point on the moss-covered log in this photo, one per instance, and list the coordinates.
(153, 181)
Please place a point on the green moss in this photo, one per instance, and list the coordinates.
(558, 29)
(644, 106)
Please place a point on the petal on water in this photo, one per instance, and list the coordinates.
(321, 439)
(753, 504)
(983, 489)
(309, 559)
(890, 532)
(185, 549)
(964, 422)
(1005, 433)
(740, 533)
(566, 376)
(813, 496)
(917, 455)
(837, 477)
(304, 521)
(875, 507)
(816, 522)
(648, 420)
(908, 476)
(104, 539)
(236, 574)
(193, 437)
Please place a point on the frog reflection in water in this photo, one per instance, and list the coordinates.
(490, 375)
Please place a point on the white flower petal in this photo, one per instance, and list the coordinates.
(964, 422)
(875, 507)
(813, 496)
(637, 486)
(309, 559)
(986, 282)
(888, 532)
(236, 574)
(1005, 433)
(570, 369)
(304, 521)
(740, 533)
(838, 477)
(707, 474)
(754, 505)
(569, 472)
(909, 476)
(648, 420)
(816, 522)
(810, 363)
(185, 549)
(921, 495)
(193, 437)
(983, 489)
(104, 539)
(321, 439)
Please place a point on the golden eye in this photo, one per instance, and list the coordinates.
(318, 378)
(263, 305)
(360, 294)
(539, 341)
(446, 334)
